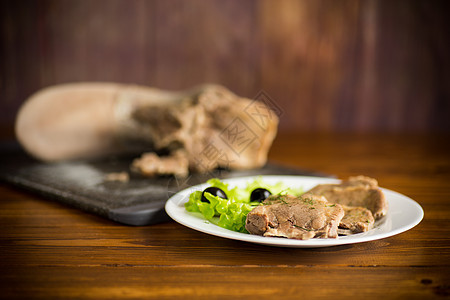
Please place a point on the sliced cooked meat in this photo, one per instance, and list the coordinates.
(361, 181)
(356, 191)
(151, 164)
(305, 217)
(356, 219)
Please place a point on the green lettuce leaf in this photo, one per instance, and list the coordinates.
(231, 213)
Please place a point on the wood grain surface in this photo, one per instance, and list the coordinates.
(330, 65)
(50, 251)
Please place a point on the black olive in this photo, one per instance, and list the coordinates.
(260, 195)
(215, 192)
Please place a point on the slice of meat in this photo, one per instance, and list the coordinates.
(150, 164)
(356, 191)
(305, 217)
(356, 220)
(361, 181)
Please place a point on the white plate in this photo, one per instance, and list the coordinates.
(403, 214)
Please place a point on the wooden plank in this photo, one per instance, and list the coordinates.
(207, 41)
(250, 281)
(349, 66)
(53, 251)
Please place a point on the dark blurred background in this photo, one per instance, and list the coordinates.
(331, 66)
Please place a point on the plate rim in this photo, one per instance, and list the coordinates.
(171, 206)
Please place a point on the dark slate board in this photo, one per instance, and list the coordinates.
(82, 184)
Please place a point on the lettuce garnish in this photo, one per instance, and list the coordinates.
(231, 213)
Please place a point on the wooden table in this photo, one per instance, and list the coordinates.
(52, 251)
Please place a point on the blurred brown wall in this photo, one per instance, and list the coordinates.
(329, 65)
